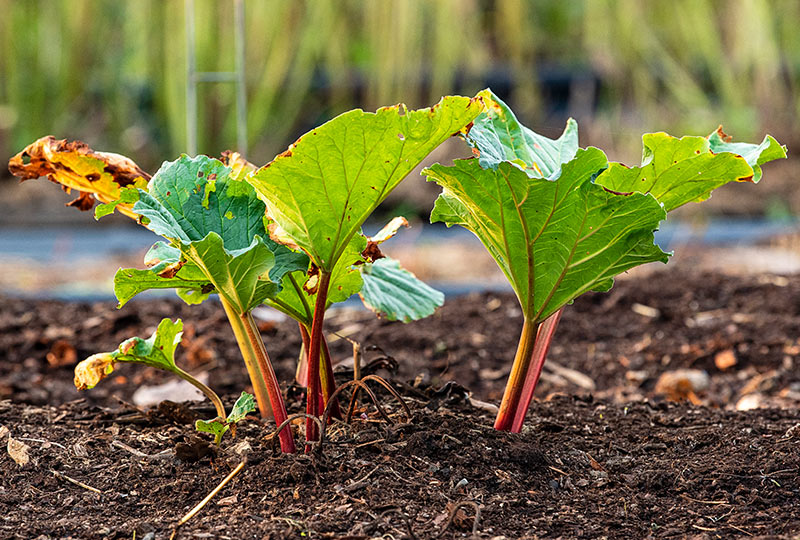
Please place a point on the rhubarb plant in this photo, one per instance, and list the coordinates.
(158, 351)
(217, 243)
(322, 189)
(560, 220)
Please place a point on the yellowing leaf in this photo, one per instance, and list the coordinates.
(94, 369)
(96, 175)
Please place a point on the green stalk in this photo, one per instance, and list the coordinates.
(208, 392)
(314, 349)
(265, 383)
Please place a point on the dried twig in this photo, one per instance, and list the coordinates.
(76, 482)
(208, 497)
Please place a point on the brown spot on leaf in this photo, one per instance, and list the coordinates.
(84, 202)
(618, 192)
(172, 269)
(724, 136)
(372, 252)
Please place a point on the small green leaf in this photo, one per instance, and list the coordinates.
(320, 191)
(497, 136)
(128, 282)
(215, 427)
(396, 293)
(219, 426)
(554, 240)
(243, 406)
(679, 171)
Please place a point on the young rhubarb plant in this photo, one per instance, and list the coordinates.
(560, 220)
(221, 424)
(322, 189)
(158, 351)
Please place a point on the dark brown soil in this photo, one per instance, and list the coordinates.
(616, 459)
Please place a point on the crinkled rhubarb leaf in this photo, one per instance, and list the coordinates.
(320, 191)
(679, 171)
(157, 351)
(497, 136)
(396, 293)
(216, 222)
(74, 165)
(553, 239)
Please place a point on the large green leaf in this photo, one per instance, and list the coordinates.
(157, 351)
(554, 240)
(216, 223)
(497, 136)
(320, 191)
(679, 171)
(396, 293)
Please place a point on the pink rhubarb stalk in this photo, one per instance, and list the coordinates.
(525, 371)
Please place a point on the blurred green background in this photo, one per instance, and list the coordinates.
(113, 72)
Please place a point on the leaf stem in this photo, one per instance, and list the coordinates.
(301, 374)
(209, 393)
(265, 384)
(544, 337)
(533, 347)
(327, 380)
(516, 379)
(315, 342)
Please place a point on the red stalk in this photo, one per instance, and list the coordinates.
(301, 375)
(523, 377)
(314, 349)
(273, 388)
(329, 383)
(516, 379)
(544, 337)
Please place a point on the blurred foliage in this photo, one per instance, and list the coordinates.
(112, 72)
